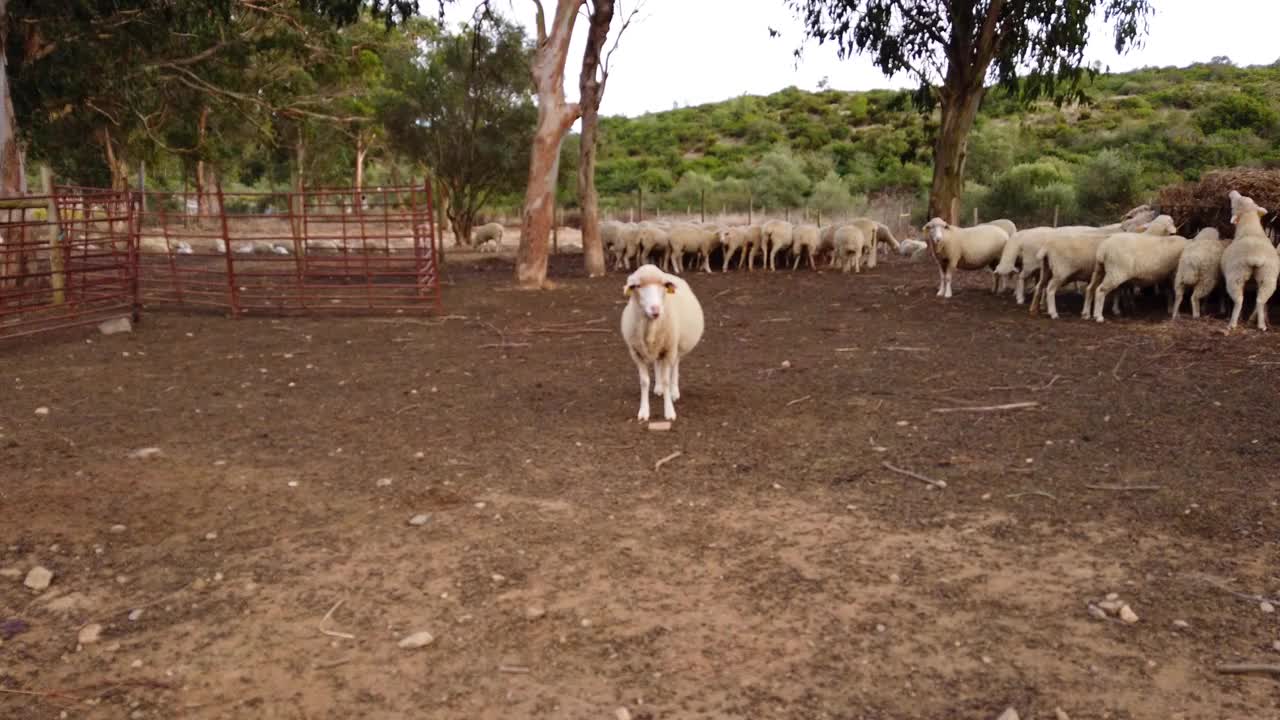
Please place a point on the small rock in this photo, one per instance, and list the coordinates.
(117, 529)
(419, 455)
(292, 483)
(1181, 624)
(533, 612)
(38, 578)
(217, 577)
(384, 482)
(145, 453)
(585, 622)
(122, 580)
(895, 578)
(497, 578)
(419, 520)
(118, 325)
(11, 573)
(986, 659)
(786, 364)
(1097, 612)
(89, 634)
(479, 506)
(1111, 606)
(622, 714)
(1060, 714)
(1008, 714)
(880, 628)
(135, 615)
(1266, 607)
(416, 640)
(135, 664)
(1128, 615)
(1113, 596)
(42, 411)
(660, 425)
(211, 536)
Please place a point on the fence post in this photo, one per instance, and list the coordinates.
(975, 216)
(787, 214)
(640, 204)
(232, 289)
(57, 277)
(1055, 216)
(702, 205)
(751, 205)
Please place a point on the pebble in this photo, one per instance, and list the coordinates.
(42, 411)
(89, 634)
(211, 536)
(786, 364)
(586, 622)
(1097, 612)
(1111, 606)
(533, 612)
(419, 520)
(416, 640)
(479, 506)
(1128, 615)
(1181, 624)
(384, 482)
(117, 529)
(135, 664)
(1113, 596)
(1008, 714)
(881, 628)
(1267, 607)
(38, 578)
(419, 455)
(622, 714)
(1060, 714)
(895, 578)
(135, 615)
(12, 573)
(497, 578)
(145, 453)
(292, 483)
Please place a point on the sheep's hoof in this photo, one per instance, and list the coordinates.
(660, 391)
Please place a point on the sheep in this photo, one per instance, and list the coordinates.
(489, 231)
(611, 241)
(1019, 256)
(651, 238)
(1146, 258)
(876, 234)
(1249, 256)
(1198, 268)
(733, 240)
(963, 248)
(827, 242)
(686, 238)
(850, 245)
(805, 237)
(912, 248)
(1005, 225)
(1067, 254)
(753, 242)
(661, 323)
(776, 236)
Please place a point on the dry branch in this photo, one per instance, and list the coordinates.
(797, 401)
(1041, 493)
(1123, 488)
(989, 408)
(1249, 669)
(325, 619)
(917, 476)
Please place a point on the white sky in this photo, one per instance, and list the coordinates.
(696, 51)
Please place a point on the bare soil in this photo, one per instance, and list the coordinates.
(775, 569)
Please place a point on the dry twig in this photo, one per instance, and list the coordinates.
(325, 619)
(1249, 669)
(917, 476)
(1041, 493)
(666, 460)
(1123, 488)
(797, 401)
(989, 408)
(1115, 371)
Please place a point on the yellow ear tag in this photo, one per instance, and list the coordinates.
(671, 289)
(626, 291)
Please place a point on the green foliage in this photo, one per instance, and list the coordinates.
(1032, 190)
(831, 194)
(779, 180)
(1238, 111)
(1108, 184)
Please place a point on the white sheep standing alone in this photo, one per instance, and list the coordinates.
(1198, 269)
(661, 323)
(1147, 258)
(971, 248)
(483, 234)
(1250, 256)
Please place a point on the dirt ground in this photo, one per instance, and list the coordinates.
(267, 568)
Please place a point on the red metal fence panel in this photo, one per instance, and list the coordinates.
(318, 251)
(105, 254)
(65, 260)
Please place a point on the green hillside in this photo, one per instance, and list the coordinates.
(1135, 132)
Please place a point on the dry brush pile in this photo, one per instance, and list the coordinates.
(1197, 205)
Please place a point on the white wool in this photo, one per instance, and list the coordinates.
(661, 323)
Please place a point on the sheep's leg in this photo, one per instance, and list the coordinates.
(1051, 297)
(773, 258)
(813, 264)
(995, 283)
(728, 257)
(1020, 289)
(1178, 289)
(1196, 298)
(644, 388)
(1266, 288)
(796, 263)
(942, 280)
(874, 257)
(675, 379)
(706, 261)
(668, 399)
(749, 259)
(660, 377)
(1236, 291)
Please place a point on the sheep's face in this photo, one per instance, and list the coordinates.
(1241, 205)
(1162, 225)
(933, 229)
(649, 287)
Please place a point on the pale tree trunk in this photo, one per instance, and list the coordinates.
(555, 116)
(590, 91)
(115, 162)
(950, 152)
(13, 176)
(202, 185)
(362, 150)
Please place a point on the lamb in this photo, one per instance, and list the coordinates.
(1249, 256)
(955, 248)
(661, 323)
(805, 237)
(776, 236)
(1145, 259)
(1198, 268)
(850, 245)
(483, 234)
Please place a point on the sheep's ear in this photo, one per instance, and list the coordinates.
(626, 291)
(1235, 219)
(671, 287)
(1262, 212)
